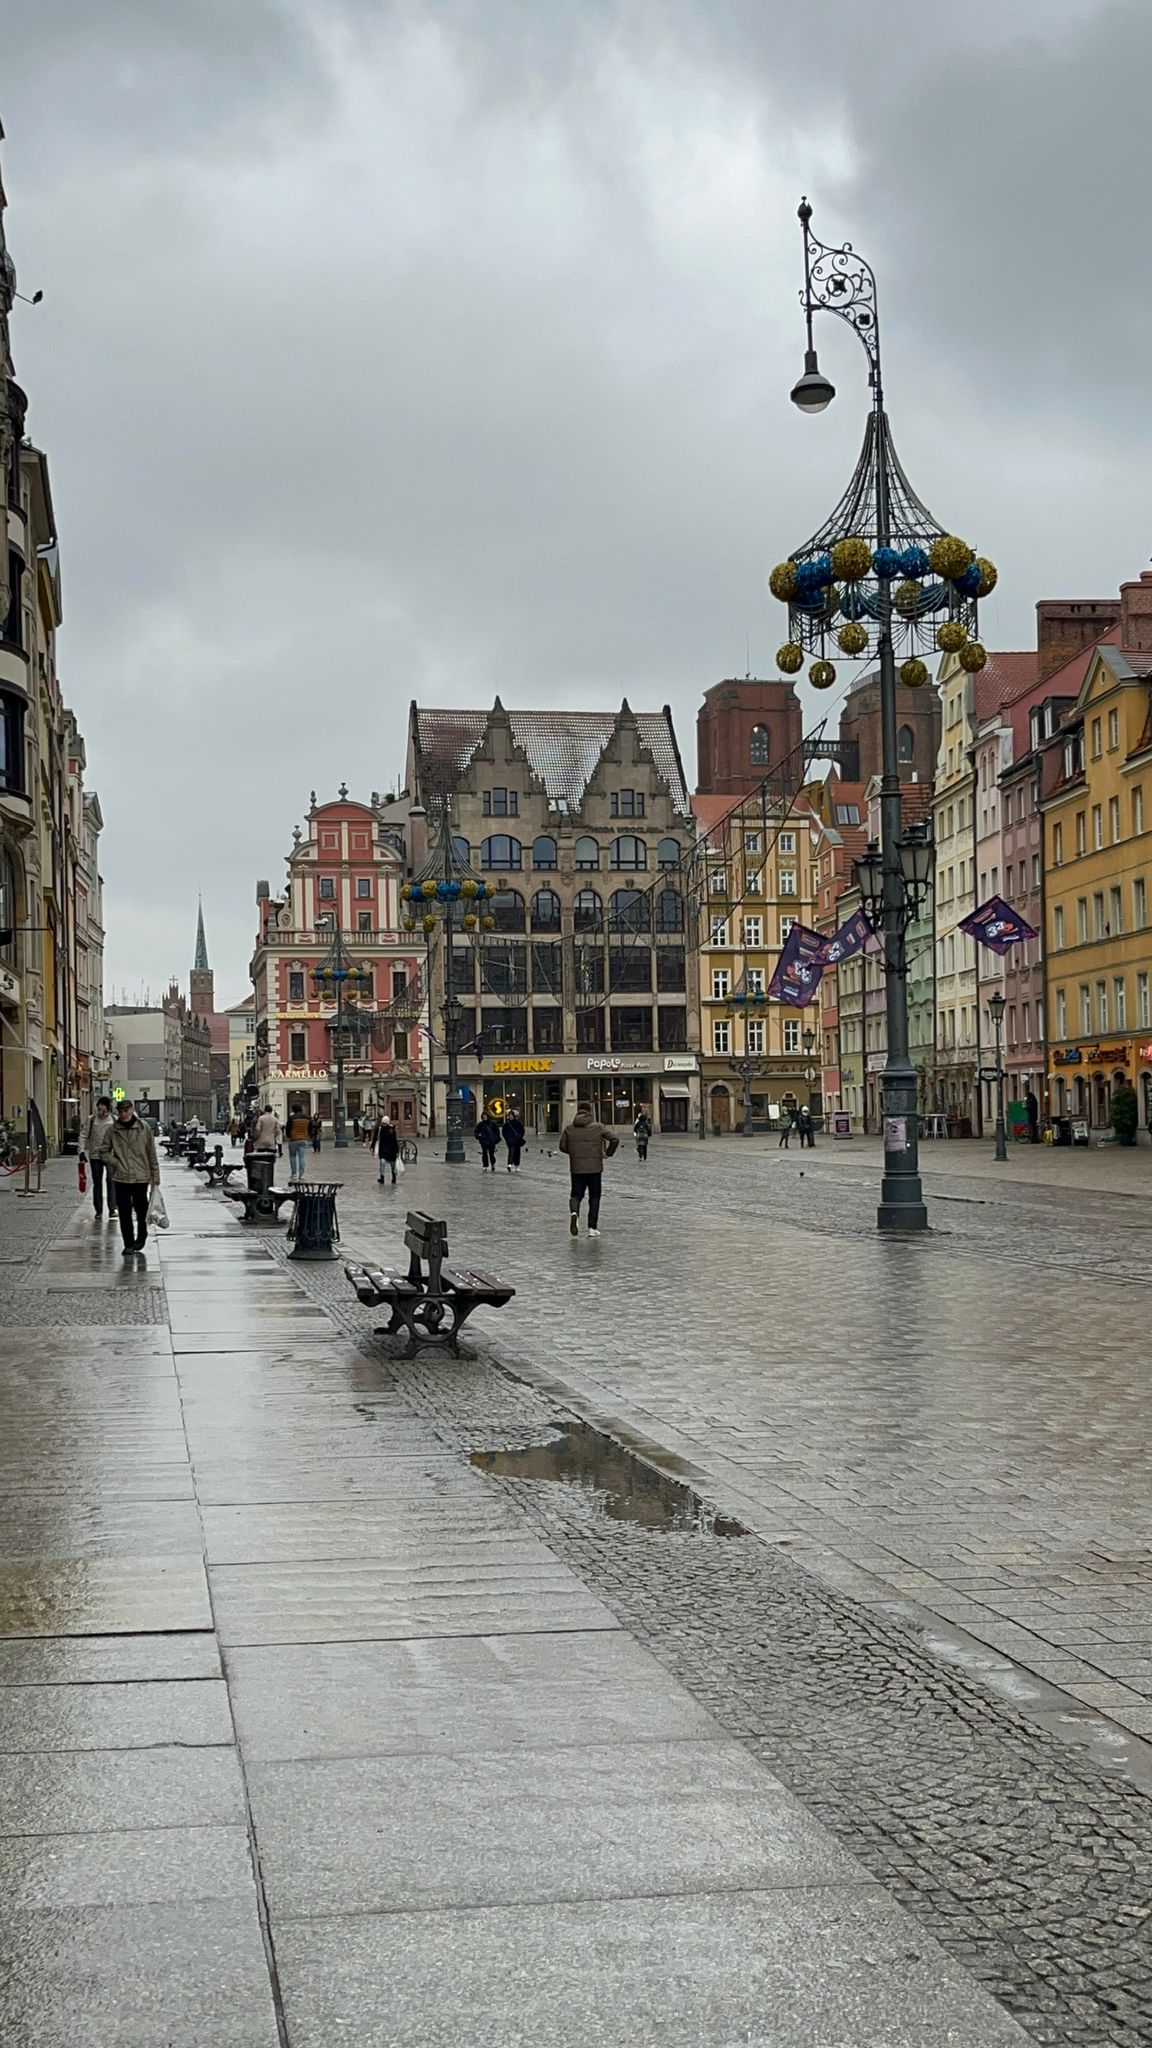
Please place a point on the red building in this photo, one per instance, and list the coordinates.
(344, 876)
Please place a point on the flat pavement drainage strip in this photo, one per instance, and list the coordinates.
(627, 1487)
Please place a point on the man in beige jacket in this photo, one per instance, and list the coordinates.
(129, 1151)
(587, 1144)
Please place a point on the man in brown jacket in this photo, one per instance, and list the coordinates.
(588, 1144)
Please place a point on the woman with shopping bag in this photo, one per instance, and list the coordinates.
(386, 1146)
(130, 1152)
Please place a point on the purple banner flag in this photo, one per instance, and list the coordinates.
(996, 925)
(852, 937)
(799, 967)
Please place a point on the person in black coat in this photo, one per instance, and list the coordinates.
(488, 1137)
(514, 1135)
(386, 1145)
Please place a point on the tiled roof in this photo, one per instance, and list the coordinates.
(563, 747)
(711, 810)
(1066, 681)
(1004, 678)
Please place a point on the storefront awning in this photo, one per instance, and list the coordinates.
(671, 1088)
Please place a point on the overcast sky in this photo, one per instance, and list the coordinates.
(440, 348)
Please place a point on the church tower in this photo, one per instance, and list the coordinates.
(201, 981)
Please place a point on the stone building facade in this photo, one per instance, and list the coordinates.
(585, 987)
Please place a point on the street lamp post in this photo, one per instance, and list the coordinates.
(446, 891)
(339, 972)
(867, 565)
(746, 999)
(996, 1011)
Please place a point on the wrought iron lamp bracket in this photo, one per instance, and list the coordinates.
(838, 280)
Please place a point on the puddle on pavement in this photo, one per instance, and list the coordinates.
(630, 1489)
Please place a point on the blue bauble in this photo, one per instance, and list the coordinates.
(822, 570)
(853, 604)
(886, 563)
(914, 563)
(969, 583)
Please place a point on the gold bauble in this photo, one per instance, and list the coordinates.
(913, 673)
(469, 888)
(950, 637)
(470, 921)
(429, 924)
(822, 675)
(851, 559)
(405, 892)
(489, 924)
(906, 598)
(852, 638)
(782, 581)
(973, 657)
(950, 557)
(409, 924)
(988, 576)
(790, 658)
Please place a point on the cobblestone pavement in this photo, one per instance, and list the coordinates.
(310, 1732)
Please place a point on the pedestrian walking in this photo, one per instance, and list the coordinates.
(356, 1130)
(806, 1128)
(642, 1132)
(487, 1137)
(386, 1145)
(587, 1144)
(315, 1131)
(1032, 1107)
(785, 1128)
(99, 1125)
(129, 1150)
(514, 1136)
(267, 1132)
(297, 1136)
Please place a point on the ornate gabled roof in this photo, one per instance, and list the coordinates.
(562, 748)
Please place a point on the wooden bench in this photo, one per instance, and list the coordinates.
(261, 1205)
(432, 1301)
(218, 1171)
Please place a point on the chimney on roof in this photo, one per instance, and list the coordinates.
(1065, 626)
(1136, 614)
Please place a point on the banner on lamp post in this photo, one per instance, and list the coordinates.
(996, 925)
(799, 968)
(851, 938)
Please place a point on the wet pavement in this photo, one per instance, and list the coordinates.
(310, 1729)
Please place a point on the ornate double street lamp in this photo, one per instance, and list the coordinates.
(996, 1012)
(747, 1000)
(809, 1071)
(880, 574)
(444, 896)
(338, 974)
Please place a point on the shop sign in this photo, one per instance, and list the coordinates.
(612, 1064)
(877, 1062)
(1095, 1055)
(521, 1066)
(680, 1063)
(1145, 1052)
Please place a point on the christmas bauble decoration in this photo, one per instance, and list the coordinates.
(489, 924)
(914, 562)
(950, 556)
(429, 924)
(405, 892)
(469, 888)
(409, 924)
(852, 639)
(913, 674)
(886, 563)
(470, 921)
(950, 637)
(907, 598)
(822, 675)
(790, 658)
(988, 575)
(851, 559)
(782, 581)
(973, 657)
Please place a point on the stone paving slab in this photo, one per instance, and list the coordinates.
(813, 1967)
(85, 1791)
(145, 1715)
(103, 1596)
(453, 1534)
(163, 1866)
(344, 1600)
(51, 1526)
(91, 1660)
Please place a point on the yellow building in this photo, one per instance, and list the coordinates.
(1097, 811)
(758, 879)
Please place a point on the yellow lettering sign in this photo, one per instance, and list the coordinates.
(521, 1066)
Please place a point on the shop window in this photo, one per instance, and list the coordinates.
(587, 854)
(544, 853)
(547, 1030)
(629, 853)
(632, 1029)
(672, 1024)
(590, 1030)
(629, 970)
(545, 911)
(588, 912)
(501, 852)
(671, 969)
(501, 803)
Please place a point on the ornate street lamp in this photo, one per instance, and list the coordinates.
(338, 974)
(746, 1000)
(880, 573)
(996, 1011)
(446, 894)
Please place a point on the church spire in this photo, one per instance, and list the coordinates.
(200, 963)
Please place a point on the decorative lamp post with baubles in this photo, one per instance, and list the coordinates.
(446, 896)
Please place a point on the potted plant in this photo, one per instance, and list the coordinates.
(1125, 1113)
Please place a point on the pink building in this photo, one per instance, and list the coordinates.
(344, 876)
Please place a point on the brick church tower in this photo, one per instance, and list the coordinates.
(743, 730)
(201, 981)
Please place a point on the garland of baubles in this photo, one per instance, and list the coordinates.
(846, 578)
(430, 892)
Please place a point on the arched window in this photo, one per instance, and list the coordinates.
(544, 852)
(906, 744)
(501, 852)
(630, 911)
(587, 854)
(629, 853)
(588, 912)
(507, 908)
(461, 849)
(545, 911)
(669, 911)
(761, 749)
(668, 854)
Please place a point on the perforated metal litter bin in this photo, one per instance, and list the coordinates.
(314, 1229)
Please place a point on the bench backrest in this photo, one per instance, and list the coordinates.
(426, 1235)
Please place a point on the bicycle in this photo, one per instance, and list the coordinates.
(409, 1151)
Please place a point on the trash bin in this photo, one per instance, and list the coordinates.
(261, 1166)
(1062, 1125)
(314, 1227)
